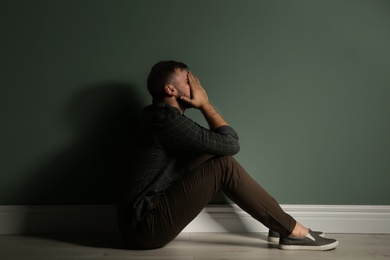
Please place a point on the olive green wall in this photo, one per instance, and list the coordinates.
(306, 84)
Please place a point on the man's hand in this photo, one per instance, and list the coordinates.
(200, 101)
(198, 97)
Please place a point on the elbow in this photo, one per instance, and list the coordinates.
(236, 149)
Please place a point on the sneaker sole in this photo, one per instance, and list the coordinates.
(310, 248)
(275, 240)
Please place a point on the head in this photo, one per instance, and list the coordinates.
(163, 75)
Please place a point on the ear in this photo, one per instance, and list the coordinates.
(170, 90)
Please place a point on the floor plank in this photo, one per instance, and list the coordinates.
(187, 246)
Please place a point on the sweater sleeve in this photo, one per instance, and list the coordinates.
(180, 132)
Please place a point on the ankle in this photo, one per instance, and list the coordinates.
(299, 231)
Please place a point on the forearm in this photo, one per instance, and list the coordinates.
(213, 118)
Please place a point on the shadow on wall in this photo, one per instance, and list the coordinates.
(103, 117)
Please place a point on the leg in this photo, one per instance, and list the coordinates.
(186, 198)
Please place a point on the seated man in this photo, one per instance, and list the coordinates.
(175, 167)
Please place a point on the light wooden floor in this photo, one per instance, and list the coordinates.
(199, 246)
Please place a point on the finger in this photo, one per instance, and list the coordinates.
(197, 80)
(191, 76)
(186, 99)
(193, 79)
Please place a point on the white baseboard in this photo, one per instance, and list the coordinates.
(214, 218)
(327, 218)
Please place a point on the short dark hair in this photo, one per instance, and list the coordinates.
(160, 75)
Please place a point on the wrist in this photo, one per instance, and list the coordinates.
(213, 118)
(206, 107)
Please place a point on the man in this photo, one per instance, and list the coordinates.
(176, 167)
